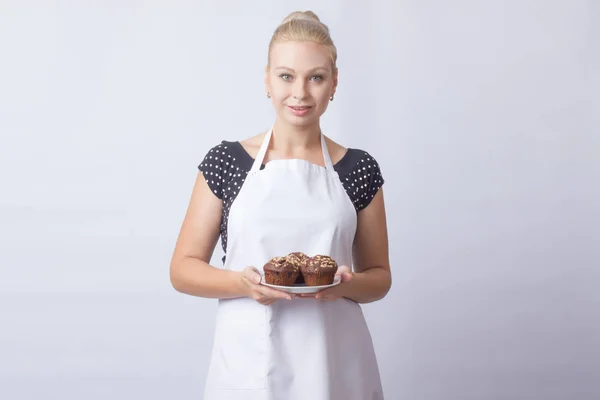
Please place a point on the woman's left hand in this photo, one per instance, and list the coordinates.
(337, 291)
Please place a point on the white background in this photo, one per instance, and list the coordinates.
(484, 117)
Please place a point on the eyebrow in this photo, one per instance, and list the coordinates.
(310, 70)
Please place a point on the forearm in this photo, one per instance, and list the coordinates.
(368, 286)
(195, 277)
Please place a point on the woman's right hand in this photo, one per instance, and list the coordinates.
(262, 294)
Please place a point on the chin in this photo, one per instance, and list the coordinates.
(300, 121)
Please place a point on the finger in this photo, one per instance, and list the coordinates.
(268, 292)
(328, 293)
(347, 276)
(252, 274)
(321, 294)
(342, 269)
(257, 276)
(326, 297)
(247, 282)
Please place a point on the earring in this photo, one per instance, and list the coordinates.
(268, 95)
(331, 98)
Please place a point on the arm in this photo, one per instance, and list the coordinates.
(190, 272)
(372, 278)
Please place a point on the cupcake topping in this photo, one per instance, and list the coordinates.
(281, 264)
(325, 261)
(296, 258)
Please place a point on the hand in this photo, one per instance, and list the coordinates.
(337, 291)
(254, 290)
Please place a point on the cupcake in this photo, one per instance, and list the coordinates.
(319, 270)
(278, 271)
(298, 259)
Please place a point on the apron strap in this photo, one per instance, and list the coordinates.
(260, 156)
(328, 163)
(261, 153)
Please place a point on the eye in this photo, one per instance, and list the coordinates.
(317, 78)
(286, 77)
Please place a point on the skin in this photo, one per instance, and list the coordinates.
(298, 74)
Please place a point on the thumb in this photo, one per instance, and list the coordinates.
(345, 273)
(347, 276)
(252, 274)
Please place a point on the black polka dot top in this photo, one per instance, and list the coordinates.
(226, 166)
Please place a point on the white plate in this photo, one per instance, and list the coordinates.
(301, 288)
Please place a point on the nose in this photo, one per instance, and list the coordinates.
(299, 89)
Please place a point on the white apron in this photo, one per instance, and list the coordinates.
(303, 349)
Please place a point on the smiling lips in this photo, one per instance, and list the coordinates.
(300, 110)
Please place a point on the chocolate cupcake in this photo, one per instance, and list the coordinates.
(298, 259)
(278, 271)
(319, 270)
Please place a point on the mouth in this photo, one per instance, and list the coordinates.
(300, 111)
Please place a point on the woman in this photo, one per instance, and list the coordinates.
(287, 190)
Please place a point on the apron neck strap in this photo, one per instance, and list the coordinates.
(265, 145)
(261, 153)
(326, 158)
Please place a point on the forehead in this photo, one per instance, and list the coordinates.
(300, 56)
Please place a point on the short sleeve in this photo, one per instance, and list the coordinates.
(213, 167)
(370, 180)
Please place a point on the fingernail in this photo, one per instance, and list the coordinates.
(257, 279)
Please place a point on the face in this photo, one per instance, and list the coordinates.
(301, 79)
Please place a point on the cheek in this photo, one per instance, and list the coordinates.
(323, 95)
(279, 87)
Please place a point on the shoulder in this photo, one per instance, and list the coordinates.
(217, 157)
(346, 160)
(241, 152)
(355, 160)
(224, 148)
(226, 154)
(223, 163)
(361, 176)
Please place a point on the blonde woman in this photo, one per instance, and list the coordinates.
(290, 189)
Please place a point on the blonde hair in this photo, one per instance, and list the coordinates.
(304, 26)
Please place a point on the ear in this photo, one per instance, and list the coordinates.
(335, 81)
(267, 80)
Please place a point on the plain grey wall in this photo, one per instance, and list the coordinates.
(485, 119)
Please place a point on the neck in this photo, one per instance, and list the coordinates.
(288, 138)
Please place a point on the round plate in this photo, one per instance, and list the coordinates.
(302, 288)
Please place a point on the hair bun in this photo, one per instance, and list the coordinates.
(303, 26)
(302, 15)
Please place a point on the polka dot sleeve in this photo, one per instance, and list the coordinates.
(364, 180)
(215, 168)
(225, 171)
